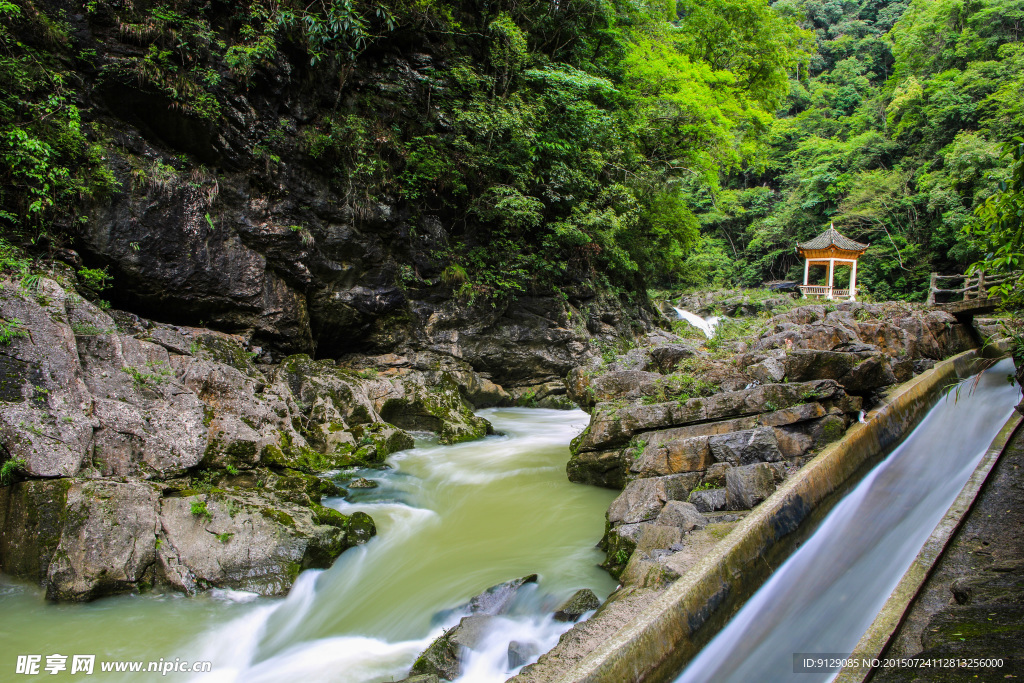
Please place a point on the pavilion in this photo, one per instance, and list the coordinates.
(829, 249)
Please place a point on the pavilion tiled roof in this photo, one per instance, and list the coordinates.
(832, 238)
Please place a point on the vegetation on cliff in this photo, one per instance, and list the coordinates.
(553, 141)
(614, 143)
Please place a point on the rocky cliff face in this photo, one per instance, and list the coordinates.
(259, 221)
(138, 454)
(698, 432)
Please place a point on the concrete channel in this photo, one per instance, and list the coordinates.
(885, 627)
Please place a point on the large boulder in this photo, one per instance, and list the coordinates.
(660, 456)
(519, 653)
(599, 468)
(432, 403)
(710, 500)
(746, 447)
(107, 542)
(858, 372)
(619, 544)
(643, 499)
(260, 547)
(802, 365)
(682, 515)
(89, 538)
(494, 601)
(625, 384)
(749, 485)
(868, 375)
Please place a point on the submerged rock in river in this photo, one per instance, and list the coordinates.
(446, 655)
(578, 604)
(520, 653)
(493, 601)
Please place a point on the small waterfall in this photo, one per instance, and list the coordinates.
(705, 325)
(489, 662)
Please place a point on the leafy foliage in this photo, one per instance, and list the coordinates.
(10, 469)
(47, 162)
(11, 330)
(558, 141)
(891, 132)
(1000, 231)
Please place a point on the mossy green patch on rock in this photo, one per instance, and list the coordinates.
(438, 407)
(278, 516)
(361, 528)
(299, 487)
(225, 351)
(329, 516)
(378, 440)
(32, 514)
(288, 455)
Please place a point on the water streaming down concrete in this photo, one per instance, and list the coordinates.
(705, 325)
(826, 595)
(452, 520)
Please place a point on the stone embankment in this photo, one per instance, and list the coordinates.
(138, 455)
(697, 433)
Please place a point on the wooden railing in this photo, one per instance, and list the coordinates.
(975, 286)
(825, 291)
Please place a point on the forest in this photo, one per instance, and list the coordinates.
(632, 145)
(896, 130)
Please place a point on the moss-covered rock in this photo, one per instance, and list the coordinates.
(435, 405)
(384, 439)
(288, 454)
(32, 515)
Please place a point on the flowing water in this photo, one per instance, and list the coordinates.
(824, 597)
(705, 325)
(451, 520)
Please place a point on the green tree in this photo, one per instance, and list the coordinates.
(999, 230)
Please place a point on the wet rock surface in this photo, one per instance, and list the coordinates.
(520, 653)
(578, 604)
(446, 655)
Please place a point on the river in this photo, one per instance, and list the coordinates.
(451, 520)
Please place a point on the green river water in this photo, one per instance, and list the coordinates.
(452, 521)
